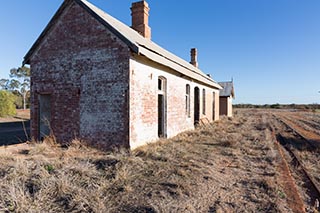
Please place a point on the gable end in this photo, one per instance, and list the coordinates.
(131, 45)
(55, 18)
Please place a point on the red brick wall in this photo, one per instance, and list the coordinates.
(223, 106)
(85, 68)
(226, 106)
(144, 76)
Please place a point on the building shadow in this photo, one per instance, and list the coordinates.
(299, 143)
(14, 132)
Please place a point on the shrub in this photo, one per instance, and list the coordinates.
(275, 106)
(7, 106)
(49, 168)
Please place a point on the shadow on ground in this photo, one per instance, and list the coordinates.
(299, 143)
(14, 132)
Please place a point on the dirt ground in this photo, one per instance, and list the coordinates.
(300, 137)
(233, 165)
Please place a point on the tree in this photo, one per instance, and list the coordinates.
(19, 82)
(7, 106)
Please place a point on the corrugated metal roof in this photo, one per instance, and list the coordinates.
(228, 89)
(140, 45)
(151, 50)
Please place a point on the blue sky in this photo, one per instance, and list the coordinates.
(271, 48)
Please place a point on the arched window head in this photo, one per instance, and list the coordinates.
(162, 83)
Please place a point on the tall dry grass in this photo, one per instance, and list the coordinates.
(228, 166)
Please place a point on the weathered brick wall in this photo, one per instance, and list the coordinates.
(223, 106)
(144, 76)
(85, 68)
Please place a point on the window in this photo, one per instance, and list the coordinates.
(188, 100)
(160, 82)
(204, 101)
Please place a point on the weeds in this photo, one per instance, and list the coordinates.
(49, 168)
(281, 194)
(221, 167)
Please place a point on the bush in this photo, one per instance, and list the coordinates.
(275, 106)
(7, 106)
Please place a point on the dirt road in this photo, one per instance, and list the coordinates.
(14, 132)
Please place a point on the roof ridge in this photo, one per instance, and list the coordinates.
(133, 39)
(144, 43)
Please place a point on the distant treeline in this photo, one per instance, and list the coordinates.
(279, 106)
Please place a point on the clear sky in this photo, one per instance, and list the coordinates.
(271, 48)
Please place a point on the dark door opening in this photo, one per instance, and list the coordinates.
(213, 106)
(161, 119)
(196, 106)
(162, 107)
(44, 116)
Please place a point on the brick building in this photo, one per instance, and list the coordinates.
(96, 79)
(226, 96)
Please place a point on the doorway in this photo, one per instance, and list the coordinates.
(196, 106)
(213, 105)
(44, 116)
(162, 107)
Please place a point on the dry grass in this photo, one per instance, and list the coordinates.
(225, 167)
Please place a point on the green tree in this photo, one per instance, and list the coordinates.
(7, 106)
(19, 82)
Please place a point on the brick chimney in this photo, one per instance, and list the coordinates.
(140, 18)
(194, 55)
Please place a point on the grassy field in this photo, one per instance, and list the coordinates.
(229, 166)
